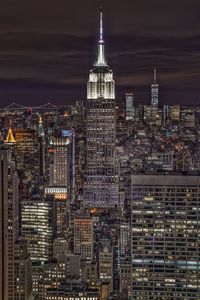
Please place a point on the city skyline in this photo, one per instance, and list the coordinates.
(100, 199)
(46, 52)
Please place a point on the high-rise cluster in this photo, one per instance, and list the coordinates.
(100, 200)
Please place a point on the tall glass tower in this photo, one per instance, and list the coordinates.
(100, 189)
(155, 91)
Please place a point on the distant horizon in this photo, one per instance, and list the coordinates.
(62, 97)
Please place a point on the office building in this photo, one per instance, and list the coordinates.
(23, 271)
(106, 263)
(4, 225)
(72, 266)
(52, 277)
(62, 177)
(26, 155)
(100, 188)
(76, 292)
(60, 148)
(165, 237)
(89, 272)
(38, 227)
(60, 247)
(129, 106)
(83, 236)
(155, 91)
(61, 209)
(125, 279)
(166, 114)
(9, 228)
(175, 113)
(41, 139)
(124, 238)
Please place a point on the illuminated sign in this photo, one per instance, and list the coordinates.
(66, 133)
(58, 192)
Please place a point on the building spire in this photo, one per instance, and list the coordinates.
(101, 51)
(101, 26)
(155, 76)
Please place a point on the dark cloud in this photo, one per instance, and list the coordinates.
(47, 48)
(79, 17)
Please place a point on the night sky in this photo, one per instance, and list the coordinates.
(47, 48)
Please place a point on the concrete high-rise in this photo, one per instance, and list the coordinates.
(129, 106)
(8, 224)
(62, 163)
(23, 272)
(4, 225)
(100, 188)
(165, 231)
(62, 177)
(41, 140)
(38, 227)
(106, 263)
(83, 236)
(61, 159)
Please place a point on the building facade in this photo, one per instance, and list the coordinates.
(155, 91)
(4, 225)
(83, 236)
(100, 188)
(106, 264)
(38, 227)
(61, 159)
(165, 232)
(23, 272)
(9, 227)
(129, 106)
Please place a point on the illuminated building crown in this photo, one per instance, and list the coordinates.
(10, 138)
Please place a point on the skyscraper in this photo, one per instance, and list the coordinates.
(83, 236)
(129, 106)
(61, 154)
(9, 222)
(26, 155)
(155, 91)
(4, 225)
(106, 263)
(38, 227)
(60, 164)
(165, 237)
(23, 273)
(100, 189)
(41, 139)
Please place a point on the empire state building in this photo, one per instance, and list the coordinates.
(101, 188)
